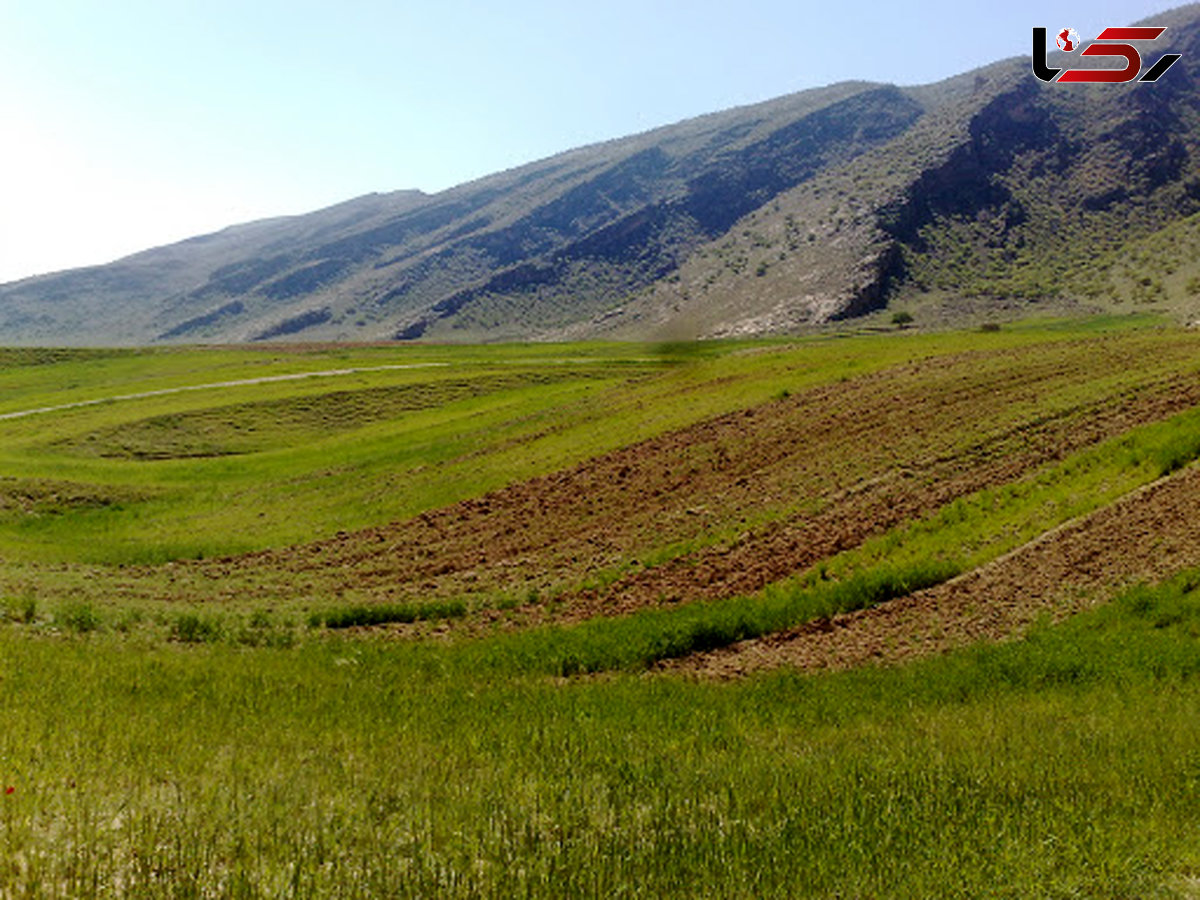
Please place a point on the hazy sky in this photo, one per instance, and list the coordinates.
(129, 124)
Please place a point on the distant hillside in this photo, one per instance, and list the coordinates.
(986, 191)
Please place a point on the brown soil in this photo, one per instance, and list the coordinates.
(746, 498)
(1146, 536)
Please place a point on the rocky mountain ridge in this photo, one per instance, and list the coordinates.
(989, 188)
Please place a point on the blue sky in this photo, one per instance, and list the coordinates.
(126, 125)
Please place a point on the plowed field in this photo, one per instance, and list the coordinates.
(735, 503)
(1145, 537)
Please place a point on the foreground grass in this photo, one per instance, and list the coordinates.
(1060, 765)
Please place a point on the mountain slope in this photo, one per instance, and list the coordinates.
(824, 204)
(1006, 189)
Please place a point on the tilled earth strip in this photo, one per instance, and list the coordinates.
(1146, 536)
(760, 494)
(880, 504)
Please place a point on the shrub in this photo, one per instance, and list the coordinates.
(189, 628)
(79, 617)
(21, 609)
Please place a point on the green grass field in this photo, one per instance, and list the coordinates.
(1062, 765)
(285, 743)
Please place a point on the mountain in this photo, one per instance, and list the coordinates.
(986, 191)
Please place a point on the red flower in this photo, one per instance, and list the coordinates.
(9, 790)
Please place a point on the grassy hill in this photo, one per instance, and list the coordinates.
(560, 619)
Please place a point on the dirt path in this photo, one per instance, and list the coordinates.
(215, 385)
(296, 376)
(1148, 535)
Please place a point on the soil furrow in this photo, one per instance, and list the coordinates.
(1147, 536)
(743, 499)
(875, 507)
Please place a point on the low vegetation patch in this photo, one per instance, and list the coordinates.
(386, 613)
(23, 497)
(20, 609)
(642, 639)
(192, 628)
(1177, 452)
(80, 618)
(230, 430)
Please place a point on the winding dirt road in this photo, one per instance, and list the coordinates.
(240, 382)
